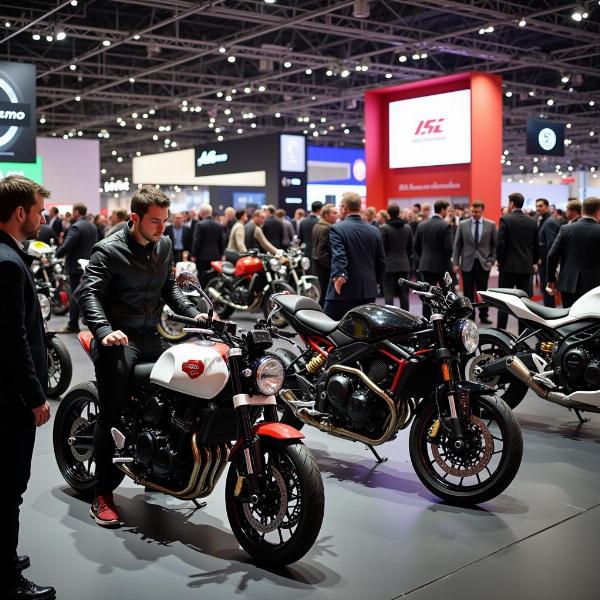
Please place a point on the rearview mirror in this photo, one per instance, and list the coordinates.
(187, 281)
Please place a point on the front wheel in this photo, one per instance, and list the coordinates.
(282, 525)
(268, 305)
(483, 468)
(60, 367)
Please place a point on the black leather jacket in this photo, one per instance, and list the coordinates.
(125, 285)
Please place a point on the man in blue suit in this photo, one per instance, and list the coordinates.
(357, 260)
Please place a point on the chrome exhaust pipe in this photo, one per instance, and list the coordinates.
(519, 369)
(218, 296)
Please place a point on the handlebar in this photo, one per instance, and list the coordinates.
(228, 327)
(418, 286)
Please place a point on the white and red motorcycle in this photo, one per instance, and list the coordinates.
(557, 355)
(189, 414)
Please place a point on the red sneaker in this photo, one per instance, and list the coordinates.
(104, 511)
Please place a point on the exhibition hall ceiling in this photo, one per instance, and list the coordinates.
(145, 76)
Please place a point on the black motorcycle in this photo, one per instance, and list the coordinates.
(381, 368)
(49, 270)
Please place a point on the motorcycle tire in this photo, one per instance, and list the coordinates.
(60, 298)
(311, 290)
(436, 463)
(276, 287)
(223, 310)
(171, 330)
(77, 414)
(60, 367)
(294, 527)
(497, 344)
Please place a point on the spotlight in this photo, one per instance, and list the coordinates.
(522, 23)
(106, 43)
(402, 58)
(308, 71)
(287, 64)
(73, 67)
(565, 79)
(61, 35)
(37, 37)
(360, 9)
(231, 59)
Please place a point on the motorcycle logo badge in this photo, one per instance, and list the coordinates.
(193, 368)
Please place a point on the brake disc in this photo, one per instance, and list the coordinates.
(254, 510)
(79, 424)
(480, 361)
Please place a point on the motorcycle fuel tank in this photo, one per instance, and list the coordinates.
(373, 321)
(192, 369)
(248, 265)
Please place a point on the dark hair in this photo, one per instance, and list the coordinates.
(574, 205)
(417, 205)
(316, 206)
(240, 213)
(271, 209)
(394, 211)
(543, 201)
(477, 204)
(121, 214)
(53, 210)
(15, 191)
(81, 209)
(280, 213)
(591, 206)
(517, 199)
(439, 206)
(146, 197)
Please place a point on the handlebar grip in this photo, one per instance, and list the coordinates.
(419, 286)
(217, 326)
(202, 323)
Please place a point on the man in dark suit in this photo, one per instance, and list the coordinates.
(273, 228)
(517, 250)
(547, 231)
(307, 224)
(576, 249)
(474, 253)
(321, 248)
(433, 246)
(47, 235)
(357, 260)
(81, 237)
(181, 237)
(208, 243)
(55, 221)
(23, 372)
(573, 210)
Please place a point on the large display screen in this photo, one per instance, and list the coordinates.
(292, 157)
(545, 137)
(430, 130)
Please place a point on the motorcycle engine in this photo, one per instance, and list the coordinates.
(241, 294)
(582, 366)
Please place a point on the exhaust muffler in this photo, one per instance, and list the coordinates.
(218, 296)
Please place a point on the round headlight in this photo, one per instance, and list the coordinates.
(44, 305)
(274, 263)
(468, 334)
(269, 376)
(305, 262)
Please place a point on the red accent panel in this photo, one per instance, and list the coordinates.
(401, 364)
(222, 349)
(217, 265)
(193, 368)
(85, 339)
(247, 265)
(314, 342)
(278, 431)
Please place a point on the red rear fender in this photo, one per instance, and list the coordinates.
(217, 265)
(85, 339)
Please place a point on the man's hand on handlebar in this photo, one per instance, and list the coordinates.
(116, 338)
(204, 317)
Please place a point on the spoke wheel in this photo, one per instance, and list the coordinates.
(269, 305)
(60, 367)
(169, 329)
(486, 463)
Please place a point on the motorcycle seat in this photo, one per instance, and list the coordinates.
(141, 373)
(316, 320)
(546, 312)
(292, 304)
(510, 291)
(228, 268)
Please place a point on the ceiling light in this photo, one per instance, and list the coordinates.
(277, 115)
(308, 71)
(424, 55)
(329, 72)
(253, 125)
(131, 80)
(219, 94)
(73, 2)
(77, 98)
(508, 94)
(569, 125)
(550, 102)
(49, 38)
(120, 159)
(231, 59)
(227, 111)
(136, 37)
(61, 35)
(360, 9)
(222, 49)
(134, 115)
(72, 67)
(228, 98)
(522, 23)
(287, 64)
(247, 90)
(106, 43)
(345, 73)
(155, 137)
(531, 93)
(43, 120)
(402, 58)
(270, 1)
(388, 75)
(230, 120)
(579, 13)
(592, 133)
(416, 56)
(240, 130)
(591, 103)
(490, 29)
(37, 37)
(138, 126)
(481, 31)
(261, 88)
(565, 79)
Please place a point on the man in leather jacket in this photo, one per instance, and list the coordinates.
(128, 278)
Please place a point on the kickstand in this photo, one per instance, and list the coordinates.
(379, 459)
(581, 419)
(198, 504)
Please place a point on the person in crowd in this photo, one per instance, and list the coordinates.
(372, 216)
(128, 279)
(229, 215)
(208, 243)
(254, 236)
(299, 214)
(55, 221)
(357, 260)
(118, 220)
(321, 247)
(23, 371)
(559, 217)
(288, 229)
(517, 250)
(237, 238)
(426, 212)
(475, 253)
(181, 237)
(382, 217)
(307, 224)
(66, 222)
(547, 232)
(573, 210)
(397, 245)
(575, 248)
(416, 210)
(433, 246)
(273, 227)
(100, 223)
(47, 235)
(190, 220)
(79, 241)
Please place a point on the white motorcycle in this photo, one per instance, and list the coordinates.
(557, 355)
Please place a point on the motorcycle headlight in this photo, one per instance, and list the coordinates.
(269, 376)
(305, 263)
(274, 264)
(44, 305)
(468, 334)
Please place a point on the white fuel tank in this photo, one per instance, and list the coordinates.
(588, 306)
(192, 369)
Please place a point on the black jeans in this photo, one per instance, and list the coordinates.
(432, 279)
(548, 299)
(74, 281)
(336, 309)
(391, 289)
(323, 275)
(476, 279)
(521, 281)
(114, 365)
(17, 436)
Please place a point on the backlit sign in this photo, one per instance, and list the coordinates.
(210, 157)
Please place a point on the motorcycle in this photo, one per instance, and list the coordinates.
(189, 414)
(297, 278)
(248, 285)
(60, 366)
(381, 368)
(563, 366)
(50, 270)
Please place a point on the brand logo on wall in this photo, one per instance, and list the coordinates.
(430, 126)
(547, 138)
(359, 169)
(17, 112)
(210, 157)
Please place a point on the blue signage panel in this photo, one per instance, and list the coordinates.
(353, 158)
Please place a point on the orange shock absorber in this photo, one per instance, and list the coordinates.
(446, 371)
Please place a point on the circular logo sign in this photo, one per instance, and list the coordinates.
(547, 139)
(8, 135)
(359, 169)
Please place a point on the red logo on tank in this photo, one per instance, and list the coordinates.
(193, 368)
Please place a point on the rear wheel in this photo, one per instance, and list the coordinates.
(281, 525)
(223, 310)
(61, 297)
(276, 287)
(311, 289)
(60, 367)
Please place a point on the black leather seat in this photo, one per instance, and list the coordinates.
(545, 312)
(292, 303)
(228, 268)
(316, 320)
(141, 373)
(510, 291)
